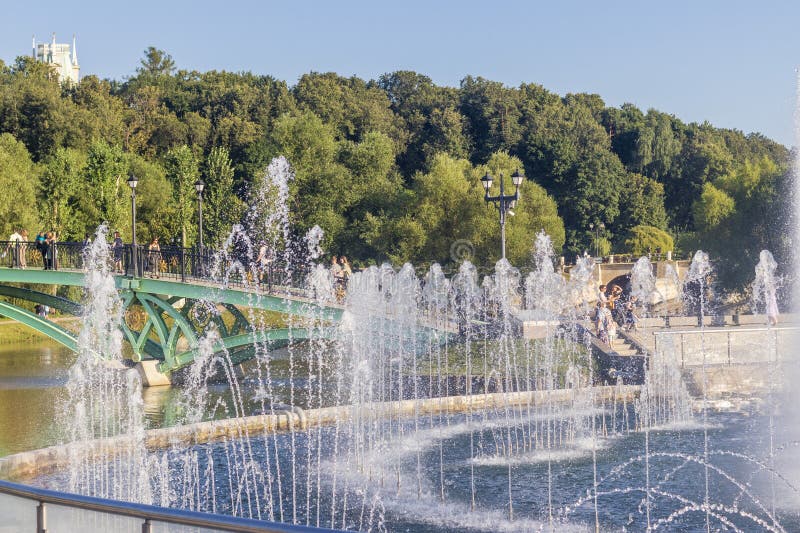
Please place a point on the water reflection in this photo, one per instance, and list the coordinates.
(32, 378)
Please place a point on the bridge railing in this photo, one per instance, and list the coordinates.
(26, 508)
(169, 262)
(726, 346)
(178, 263)
(50, 256)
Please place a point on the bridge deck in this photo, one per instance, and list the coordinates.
(288, 300)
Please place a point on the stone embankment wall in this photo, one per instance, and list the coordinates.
(27, 465)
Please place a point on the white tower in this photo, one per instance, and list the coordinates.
(62, 57)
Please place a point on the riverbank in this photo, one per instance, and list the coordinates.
(12, 331)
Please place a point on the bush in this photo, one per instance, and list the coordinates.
(645, 239)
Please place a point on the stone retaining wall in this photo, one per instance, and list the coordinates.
(27, 465)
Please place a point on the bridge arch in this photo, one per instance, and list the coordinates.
(169, 333)
(42, 325)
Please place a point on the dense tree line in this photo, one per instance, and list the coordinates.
(389, 168)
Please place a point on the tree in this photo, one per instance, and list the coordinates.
(492, 114)
(155, 210)
(155, 64)
(351, 106)
(182, 171)
(432, 121)
(450, 210)
(641, 204)
(33, 110)
(643, 240)
(100, 197)
(703, 158)
(713, 207)
(58, 187)
(17, 174)
(322, 189)
(223, 208)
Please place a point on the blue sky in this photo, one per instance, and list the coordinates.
(729, 62)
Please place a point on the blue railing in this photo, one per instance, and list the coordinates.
(106, 515)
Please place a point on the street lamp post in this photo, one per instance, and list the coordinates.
(133, 181)
(199, 185)
(504, 202)
(597, 230)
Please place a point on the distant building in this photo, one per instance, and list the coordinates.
(61, 56)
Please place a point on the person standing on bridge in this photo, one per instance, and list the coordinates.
(154, 257)
(23, 249)
(118, 246)
(263, 261)
(39, 244)
(347, 271)
(14, 244)
(49, 251)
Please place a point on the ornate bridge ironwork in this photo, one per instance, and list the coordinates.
(164, 318)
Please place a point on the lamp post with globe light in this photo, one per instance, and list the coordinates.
(505, 203)
(133, 181)
(199, 185)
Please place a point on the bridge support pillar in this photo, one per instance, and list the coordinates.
(151, 377)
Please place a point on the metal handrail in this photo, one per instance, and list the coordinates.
(732, 329)
(147, 513)
(170, 262)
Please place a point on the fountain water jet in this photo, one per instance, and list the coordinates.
(437, 413)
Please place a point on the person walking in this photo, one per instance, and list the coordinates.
(336, 268)
(630, 315)
(154, 258)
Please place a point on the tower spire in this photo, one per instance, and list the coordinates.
(33, 44)
(74, 52)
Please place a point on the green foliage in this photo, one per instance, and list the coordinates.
(712, 208)
(103, 190)
(741, 213)
(182, 171)
(59, 187)
(451, 221)
(223, 208)
(156, 215)
(647, 239)
(19, 180)
(389, 168)
(642, 203)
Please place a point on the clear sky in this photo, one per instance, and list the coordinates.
(729, 62)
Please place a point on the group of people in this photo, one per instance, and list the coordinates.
(612, 312)
(152, 258)
(45, 244)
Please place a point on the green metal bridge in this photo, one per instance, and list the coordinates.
(164, 319)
